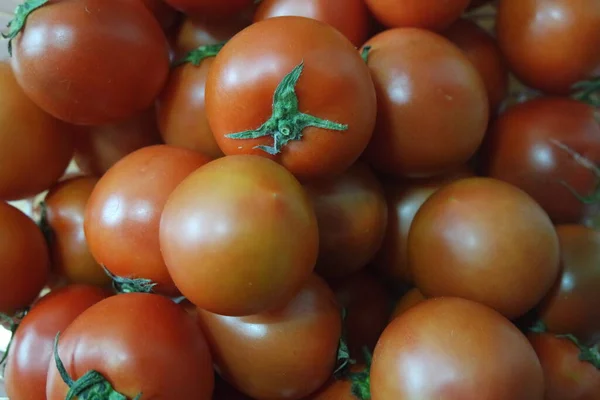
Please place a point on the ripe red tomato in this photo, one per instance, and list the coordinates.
(406, 302)
(291, 350)
(123, 213)
(345, 388)
(432, 104)
(550, 45)
(31, 348)
(239, 236)
(426, 14)
(312, 104)
(454, 349)
(90, 62)
(211, 8)
(140, 343)
(487, 241)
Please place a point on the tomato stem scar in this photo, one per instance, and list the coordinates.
(196, 56)
(130, 285)
(18, 22)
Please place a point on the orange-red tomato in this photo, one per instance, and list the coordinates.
(406, 302)
(210, 8)
(426, 14)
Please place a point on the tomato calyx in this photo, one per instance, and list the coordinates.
(344, 361)
(130, 285)
(196, 56)
(361, 380)
(18, 22)
(364, 54)
(286, 123)
(588, 91)
(586, 354)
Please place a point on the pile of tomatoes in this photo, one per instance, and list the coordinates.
(301, 199)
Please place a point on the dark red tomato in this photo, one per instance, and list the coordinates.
(343, 389)
(454, 349)
(91, 62)
(550, 45)
(572, 305)
(313, 104)
(25, 260)
(165, 15)
(123, 213)
(239, 236)
(406, 302)
(432, 104)
(31, 348)
(286, 353)
(548, 147)
(140, 343)
(487, 241)
(352, 217)
(426, 14)
(211, 8)
(350, 17)
(35, 148)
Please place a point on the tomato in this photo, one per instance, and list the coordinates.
(165, 15)
(350, 17)
(454, 349)
(239, 236)
(550, 45)
(426, 14)
(211, 8)
(572, 305)
(548, 147)
(432, 104)
(313, 104)
(122, 215)
(406, 302)
(35, 148)
(352, 217)
(487, 241)
(140, 343)
(31, 348)
(286, 353)
(25, 260)
(344, 389)
(69, 58)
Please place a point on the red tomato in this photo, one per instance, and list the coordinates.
(426, 14)
(140, 343)
(239, 236)
(123, 213)
(432, 104)
(291, 350)
(313, 104)
(31, 348)
(210, 8)
(454, 349)
(406, 302)
(344, 389)
(90, 62)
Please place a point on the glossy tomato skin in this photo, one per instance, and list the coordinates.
(550, 45)
(454, 349)
(350, 17)
(139, 342)
(352, 217)
(210, 8)
(294, 347)
(334, 85)
(239, 236)
(486, 241)
(100, 87)
(31, 349)
(122, 215)
(426, 14)
(542, 143)
(25, 260)
(35, 148)
(406, 302)
(432, 104)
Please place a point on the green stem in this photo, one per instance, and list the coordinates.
(18, 22)
(365, 54)
(196, 56)
(361, 380)
(538, 327)
(344, 361)
(586, 354)
(130, 285)
(588, 91)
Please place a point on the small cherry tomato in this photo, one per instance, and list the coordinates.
(426, 14)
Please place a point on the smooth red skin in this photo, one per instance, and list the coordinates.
(292, 350)
(165, 15)
(140, 343)
(550, 45)
(35, 148)
(454, 349)
(352, 216)
(427, 14)
(123, 213)
(31, 348)
(335, 85)
(566, 377)
(523, 149)
(350, 17)
(83, 79)
(181, 111)
(572, 305)
(239, 236)
(337, 389)
(25, 260)
(406, 302)
(432, 106)
(486, 241)
(210, 8)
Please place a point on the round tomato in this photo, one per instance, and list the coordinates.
(31, 347)
(406, 302)
(285, 353)
(454, 349)
(139, 343)
(487, 241)
(239, 236)
(432, 104)
(211, 8)
(312, 104)
(426, 14)
(89, 62)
